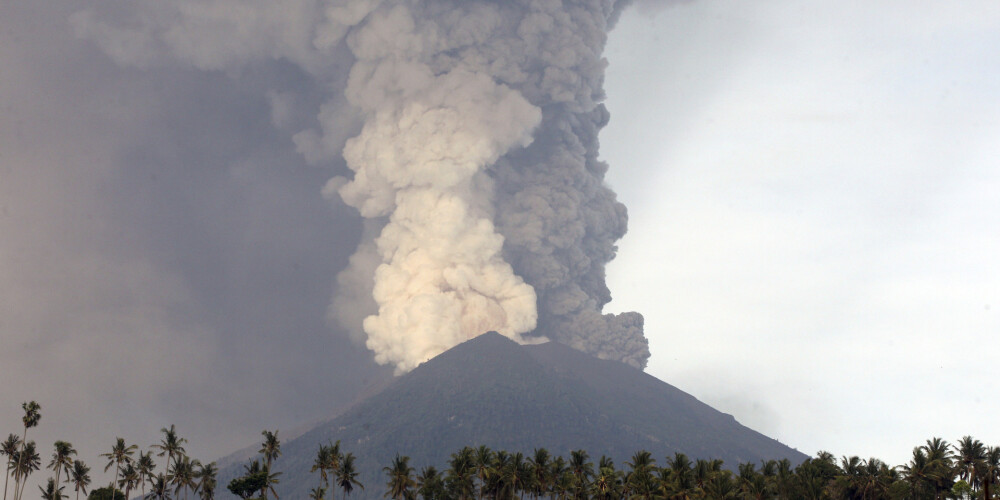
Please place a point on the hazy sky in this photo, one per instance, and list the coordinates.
(813, 204)
(814, 201)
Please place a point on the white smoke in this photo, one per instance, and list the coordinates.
(471, 130)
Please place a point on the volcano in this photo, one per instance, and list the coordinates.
(492, 391)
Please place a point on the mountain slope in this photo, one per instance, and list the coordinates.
(491, 391)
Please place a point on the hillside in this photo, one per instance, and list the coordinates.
(491, 391)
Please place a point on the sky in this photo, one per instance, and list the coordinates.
(814, 201)
(812, 236)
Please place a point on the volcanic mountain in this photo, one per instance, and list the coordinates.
(491, 391)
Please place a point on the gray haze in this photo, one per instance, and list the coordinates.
(173, 216)
(165, 254)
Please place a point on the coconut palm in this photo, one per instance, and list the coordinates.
(347, 476)
(560, 477)
(159, 488)
(130, 478)
(120, 454)
(607, 482)
(460, 473)
(28, 461)
(518, 475)
(640, 478)
(541, 480)
(319, 464)
(990, 470)
(971, 453)
(61, 459)
(171, 445)
(9, 448)
(873, 480)
(921, 473)
(499, 479)
(145, 466)
(680, 476)
(32, 414)
(183, 474)
(429, 484)
(333, 462)
(207, 477)
(79, 475)
(317, 493)
(482, 461)
(400, 476)
(51, 491)
(271, 450)
(582, 471)
(941, 460)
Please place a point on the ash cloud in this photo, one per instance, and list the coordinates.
(470, 133)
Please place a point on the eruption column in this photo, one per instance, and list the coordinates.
(473, 143)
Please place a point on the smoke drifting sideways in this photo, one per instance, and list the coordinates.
(471, 128)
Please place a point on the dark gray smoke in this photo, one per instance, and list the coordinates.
(471, 130)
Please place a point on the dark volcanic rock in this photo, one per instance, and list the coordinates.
(491, 391)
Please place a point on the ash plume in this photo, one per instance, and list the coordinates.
(470, 131)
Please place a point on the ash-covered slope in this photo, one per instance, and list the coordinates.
(492, 391)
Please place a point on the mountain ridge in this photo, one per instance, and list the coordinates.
(492, 391)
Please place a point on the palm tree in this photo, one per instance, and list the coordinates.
(51, 492)
(347, 476)
(499, 475)
(582, 471)
(9, 448)
(333, 463)
(160, 488)
(61, 458)
(752, 483)
(640, 479)
(32, 414)
(319, 464)
(429, 484)
(940, 457)
(80, 476)
(120, 453)
(783, 479)
(681, 476)
(144, 466)
(317, 493)
(873, 480)
(607, 481)
(130, 477)
(170, 445)
(990, 470)
(560, 477)
(540, 463)
(460, 473)
(29, 461)
(400, 478)
(482, 460)
(921, 473)
(971, 455)
(207, 475)
(271, 450)
(182, 474)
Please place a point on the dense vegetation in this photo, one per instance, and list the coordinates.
(937, 470)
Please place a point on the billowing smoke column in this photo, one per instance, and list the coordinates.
(475, 163)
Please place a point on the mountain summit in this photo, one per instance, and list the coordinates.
(491, 391)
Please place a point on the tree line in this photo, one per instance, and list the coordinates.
(132, 471)
(937, 470)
